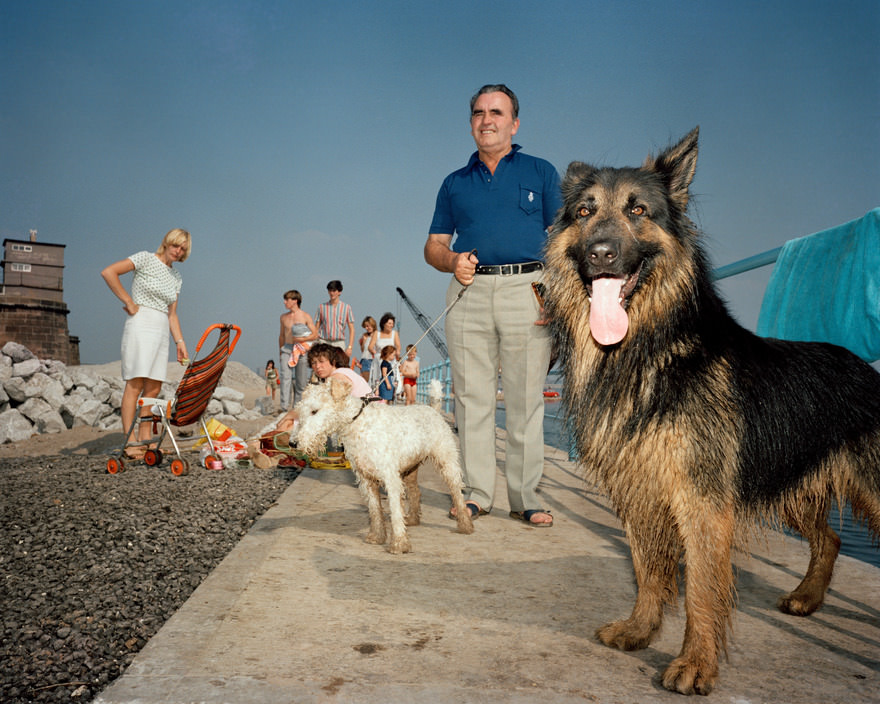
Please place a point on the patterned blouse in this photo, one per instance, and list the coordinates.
(155, 285)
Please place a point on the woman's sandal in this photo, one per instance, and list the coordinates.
(527, 517)
(473, 507)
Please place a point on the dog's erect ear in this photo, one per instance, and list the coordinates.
(576, 173)
(677, 165)
(578, 170)
(574, 181)
(340, 387)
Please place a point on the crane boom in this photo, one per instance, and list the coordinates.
(425, 324)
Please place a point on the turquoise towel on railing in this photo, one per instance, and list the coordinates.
(826, 287)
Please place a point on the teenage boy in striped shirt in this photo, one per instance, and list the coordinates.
(332, 319)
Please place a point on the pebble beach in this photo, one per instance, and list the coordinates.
(93, 564)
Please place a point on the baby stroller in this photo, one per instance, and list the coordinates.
(188, 405)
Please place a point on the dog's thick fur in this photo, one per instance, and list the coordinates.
(385, 445)
(693, 425)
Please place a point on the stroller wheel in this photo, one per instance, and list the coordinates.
(115, 465)
(153, 458)
(179, 467)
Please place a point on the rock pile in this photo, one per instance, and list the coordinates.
(46, 396)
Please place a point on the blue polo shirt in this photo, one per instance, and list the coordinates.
(505, 215)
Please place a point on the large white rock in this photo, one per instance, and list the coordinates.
(26, 368)
(45, 387)
(17, 352)
(101, 390)
(225, 393)
(90, 412)
(14, 426)
(232, 408)
(45, 418)
(83, 377)
(15, 387)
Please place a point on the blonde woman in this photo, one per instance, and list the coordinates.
(151, 308)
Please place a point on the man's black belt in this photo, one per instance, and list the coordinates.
(509, 269)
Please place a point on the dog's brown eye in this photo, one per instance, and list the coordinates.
(638, 210)
(583, 212)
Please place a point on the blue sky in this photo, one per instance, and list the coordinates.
(301, 142)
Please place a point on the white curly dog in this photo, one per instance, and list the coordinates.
(385, 445)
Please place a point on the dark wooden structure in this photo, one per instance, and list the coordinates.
(32, 308)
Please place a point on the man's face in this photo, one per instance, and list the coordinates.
(492, 122)
(334, 295)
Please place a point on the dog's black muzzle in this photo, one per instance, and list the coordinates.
(608, 254)
(599, 257)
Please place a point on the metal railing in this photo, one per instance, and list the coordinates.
(747, 264)
(443, 373)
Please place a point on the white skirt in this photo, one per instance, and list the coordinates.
(145, 345)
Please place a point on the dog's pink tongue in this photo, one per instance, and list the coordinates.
(608, 320)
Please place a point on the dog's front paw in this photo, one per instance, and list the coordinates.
(625, 635)
(400, 545)
(465, 524)
(375, 538)
(691, 676)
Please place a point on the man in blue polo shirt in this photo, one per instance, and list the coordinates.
(500, 205)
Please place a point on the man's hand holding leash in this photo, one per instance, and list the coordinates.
(465, 267)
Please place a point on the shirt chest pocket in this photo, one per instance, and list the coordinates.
(529, 199)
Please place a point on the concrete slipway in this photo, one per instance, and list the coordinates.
(304, 611)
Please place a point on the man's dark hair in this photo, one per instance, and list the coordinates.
(335, 285)
(497, 88)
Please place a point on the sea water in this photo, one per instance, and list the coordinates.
(854, 536)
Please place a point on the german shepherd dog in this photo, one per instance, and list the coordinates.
(694, 426)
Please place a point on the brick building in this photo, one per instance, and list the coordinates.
(32, 308)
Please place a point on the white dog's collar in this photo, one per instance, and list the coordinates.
(365, 401)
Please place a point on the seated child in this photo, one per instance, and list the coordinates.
(323, 360)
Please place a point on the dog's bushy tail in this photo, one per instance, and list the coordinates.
(435, 394)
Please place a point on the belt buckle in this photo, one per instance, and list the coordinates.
(507, 269)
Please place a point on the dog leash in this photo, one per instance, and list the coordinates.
(446, 309)
(443, 313)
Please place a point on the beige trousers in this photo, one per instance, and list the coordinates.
(493, 328)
